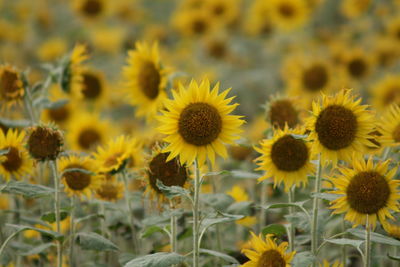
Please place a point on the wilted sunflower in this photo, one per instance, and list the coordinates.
(44, 142)
(366, 189)
(168, 172)
(283, 111)
(197, 123)
(79, 182)
(110, 189)
(286, 158)
(267, 253)
(11, 87)
(289, 14)
(115, 155)
(16, 162)
(72, 73)
(386, 92)
(145, 79)
(390, 126)
(87, 132)
(339, 127)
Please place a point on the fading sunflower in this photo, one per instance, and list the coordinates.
(283, 111)
(114, 157)
(197, 123)
(386, 92)
(339, 126)
(390, 127)
(79, 182)
(11, 87)
(289, 14)
(267, 252)
(110, 189)
(44, 142)
(16, 163)
(357, 64)
(146, 79)
(286, 158)
(366, 189)
(72, 73)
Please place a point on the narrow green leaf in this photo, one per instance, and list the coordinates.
(217, 201)
(276, 229)
(284, 205)
(221, 255)
(172, 191)
(326, 196)
(151, 230)
(93, 241)
(49, 233)
(346, 241)
(395, 258)
(37, 249)
(375, 237)
(244, 175)
(4, 151)
(27, 190)
(160, 259)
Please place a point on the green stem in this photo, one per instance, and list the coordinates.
(344, 248)
(29, 107)
(264, 198)
(53, 165)
(196, 245)
(72, 233)
(130, 214)
(367, 260)
(314, 225)
(217, 226)
(4, 245)
(173, 221)
(292, 228)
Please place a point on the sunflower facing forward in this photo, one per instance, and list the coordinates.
(286, 158)
(267, 253)
(339, 127)
(145, 80)
(366, 189)
(197, 123)
(16, 162)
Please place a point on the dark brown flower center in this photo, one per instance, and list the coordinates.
(392, 96)
(286, 10)
(368, 192)
(60, 114)
(271, 258)
(149, 80)
(240, 153)
(91, 86)
(108, 191)
(199, 26)
(45, 143)
(219, 10)
(88, 138)
(92, 8)
(336, 127)
(281, 112)
(170, 173)
(315, 78)
(9, 88)
(13, 159)
(199, 124)
(77, 180)
(217, 49)
(289, 154)
(357, 67)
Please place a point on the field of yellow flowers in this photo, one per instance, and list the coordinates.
(204, 133)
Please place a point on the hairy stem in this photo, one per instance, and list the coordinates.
(53, 165)
(367, 260)
(196, 245)
(314, 225)
(292, 228)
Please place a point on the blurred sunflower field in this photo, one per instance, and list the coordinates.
(158, 133)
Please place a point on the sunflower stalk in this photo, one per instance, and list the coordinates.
(53, 165)
(367, 253)
(130, 214)
(263, 200)
(196, 221)
(173, 235)
(72, 233)
(314, 225)
(292, 228)
(344, 249)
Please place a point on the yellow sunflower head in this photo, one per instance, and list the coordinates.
(11, 86)
(197, 123)
(114, 157)
(354, 8)
(289, 14)
(224, 12)
(386, 92)
(393, 28)
(44, 142)
(146, 79)
(258, 20)
(78, 175)
(92, 88)
(110, 189)
(90, 9)
(366, 190)
(283, 111)
(339, 126)
(285, 157)
(390, 126)
(72, 73)
(265, 253)
(16, 163)
(194, 22)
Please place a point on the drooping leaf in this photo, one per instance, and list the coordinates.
(49, 233)
(173, 191)
(375, 237)
(217, 201)
(26, 189)
(4, 151)
(303, 259)
(346, 241)
(15, 123)
(219, 217)
(239, 174)
(276, 229)
(221, 255)
(37, 249)
(151, 230)
(93, 241)
(395, 258)
(160, 259)
(243, 208)
(284, 205)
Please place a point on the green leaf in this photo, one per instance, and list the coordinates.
(395, 258)
(375, 237)
(303, 259)
(27, 190)
(217, 201)
(346, 241)
(173, 191)
(243, 208)
(49, 233)
(51, 216)
(284, 205)
(221, 255)
(15, 123)
(160, 259)
(77, 170)
(244, 175)
(220, 217)
(276, 229)
(224, 172)
(38, 249)
(326, 196)
(151, 230)
(300, 220)
(93, 241)
(88, 217)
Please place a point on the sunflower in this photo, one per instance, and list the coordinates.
(145, 79)
(366, 190)
(386, 52)
(393, 29)
(110, 189)
(288, 14)
(339, 126)
(71, 76)
(115, 156)
(386, 92)
(225, 12)
(197, 22)
(286, 158)
(354, 8)
(390, 126)
(90, 10)
(16, 162)
(11, 86)
(169, 172)
(88, 131)
(79, 182)
(258, 20)
(392, 229)
(357, 64)
(267, 252)
(108, 39)
(92, 89)
(197, 123)
(336, 263)
(60, 115)
(44, 142)
(283, 111)
(52, 49)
